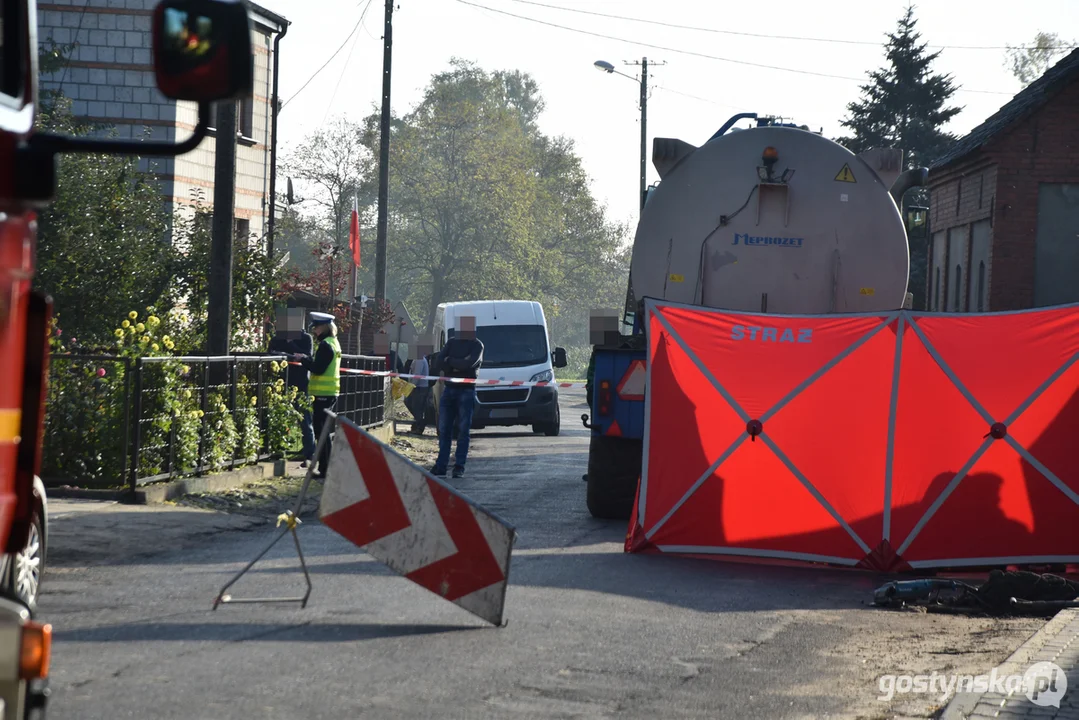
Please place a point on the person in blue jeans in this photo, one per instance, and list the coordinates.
(291, 339)
(461, 357)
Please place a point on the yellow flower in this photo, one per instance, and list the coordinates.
(125, 323)
(187, 394)
(119, 333)
(140, 327)
(186, 369)
(132, 314)
(170, 344)
(130, 329)
(165, 339)
(155, 347)
(144, 339)
(201, 413)
(254, 400)
(273, 365)
(153, 320)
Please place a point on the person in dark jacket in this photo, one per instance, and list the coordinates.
(325, 384)
(461, 357)
(290, 339)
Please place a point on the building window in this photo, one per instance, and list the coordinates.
(245, 118)
(243, 229)
(958, 286)
(981, 287)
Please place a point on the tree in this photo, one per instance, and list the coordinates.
(330, 163)
(102, 248)
(253, 276)
(1030, 63)
(905, 106)
(483, 205)
(298, 236)
(316, 280)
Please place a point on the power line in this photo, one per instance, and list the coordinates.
(694, 97)
(693, 53)
(344, 68)
(335, 53)
(781, 37)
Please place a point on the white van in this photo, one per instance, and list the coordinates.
(515, 347)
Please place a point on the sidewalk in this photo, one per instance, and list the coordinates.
(94, 532)
(105, 532)
(1057, 642)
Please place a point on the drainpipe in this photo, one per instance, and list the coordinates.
(273, 144)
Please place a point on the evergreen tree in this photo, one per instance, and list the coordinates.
(904, 106)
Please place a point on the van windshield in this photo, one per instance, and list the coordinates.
(512, 345)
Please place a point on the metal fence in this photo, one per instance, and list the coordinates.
(118, 421)
(363, 397)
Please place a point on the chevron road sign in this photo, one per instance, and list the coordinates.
(416, 524)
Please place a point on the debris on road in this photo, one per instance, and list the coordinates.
(264, 498)
(272, 496)
(1003, 593)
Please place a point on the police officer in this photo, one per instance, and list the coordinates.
(325, 382)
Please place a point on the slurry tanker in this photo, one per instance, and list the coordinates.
(770, 219)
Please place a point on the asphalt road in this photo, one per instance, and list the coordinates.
(592, 632)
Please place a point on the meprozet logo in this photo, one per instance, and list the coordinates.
(747, 239)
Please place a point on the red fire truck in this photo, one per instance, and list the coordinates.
(202, 53)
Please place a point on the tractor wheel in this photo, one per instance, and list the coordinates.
(614, 468)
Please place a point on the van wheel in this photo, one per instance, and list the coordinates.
(550, 429)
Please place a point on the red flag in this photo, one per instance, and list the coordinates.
(354, 235)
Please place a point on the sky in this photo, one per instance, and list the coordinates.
(690, 96)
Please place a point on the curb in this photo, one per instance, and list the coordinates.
(162, 492)
(964, 705)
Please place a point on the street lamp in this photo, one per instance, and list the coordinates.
(607, 67)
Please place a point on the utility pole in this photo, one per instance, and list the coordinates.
(219, 301)
(644, 129)
(384, 157)
(644, 123)
(631, 301)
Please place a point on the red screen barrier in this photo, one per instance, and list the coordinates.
(894, 441)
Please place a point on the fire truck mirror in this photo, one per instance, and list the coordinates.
(202, 50)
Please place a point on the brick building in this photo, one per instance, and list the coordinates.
(1004, 204)
(110, 80)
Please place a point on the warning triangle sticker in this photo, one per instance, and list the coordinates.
(845, 175)
(631, 387)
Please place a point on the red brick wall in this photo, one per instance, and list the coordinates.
(1043, 147)
(959, 196)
